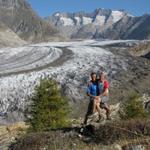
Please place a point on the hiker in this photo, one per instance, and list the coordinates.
(103, 87)
(92, 92)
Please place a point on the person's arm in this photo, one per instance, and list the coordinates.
(105, 93)
(106, 89)
(90, 95)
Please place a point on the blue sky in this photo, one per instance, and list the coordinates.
(47, 7)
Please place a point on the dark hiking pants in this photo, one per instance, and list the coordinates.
(89, 110)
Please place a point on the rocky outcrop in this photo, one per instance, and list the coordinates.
(147, 55)
(142, 49)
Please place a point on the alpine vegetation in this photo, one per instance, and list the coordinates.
(49, 109)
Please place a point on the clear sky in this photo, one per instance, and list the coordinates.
(47, 7)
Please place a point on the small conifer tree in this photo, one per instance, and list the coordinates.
(49, 109)
(133, 108)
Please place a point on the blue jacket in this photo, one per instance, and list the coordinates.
(92, 88)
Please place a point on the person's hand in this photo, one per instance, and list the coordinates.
(97, 100)
(97, 97)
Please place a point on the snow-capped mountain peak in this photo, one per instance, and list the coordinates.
(57, 14)
(117, 15)
(66, 21)
(99, 20)
(101, 24)
(98, 17)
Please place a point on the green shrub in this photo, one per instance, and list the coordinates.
(133, 108)
(49, 109)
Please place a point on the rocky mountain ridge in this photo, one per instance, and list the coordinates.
(101, 24)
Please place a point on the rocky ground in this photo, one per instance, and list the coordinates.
(10, 133)
(113, 135)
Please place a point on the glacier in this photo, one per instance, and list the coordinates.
(22, 68)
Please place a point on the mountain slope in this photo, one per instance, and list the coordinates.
(87, 25)
(141, 30)
(102, 24)
(19, 16)
(8, 37)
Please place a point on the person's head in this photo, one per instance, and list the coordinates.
(102, 76)
(93, 76)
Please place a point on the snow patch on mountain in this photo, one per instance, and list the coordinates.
(87, 20)
(78, 20)
(57, 14)
(67, 21)
(99, 20)
(117, 15)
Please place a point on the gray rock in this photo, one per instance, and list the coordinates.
(19, 16)
(116, 147)
(147, 106)
(135, 147)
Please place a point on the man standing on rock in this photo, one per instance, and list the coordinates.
(92, 92)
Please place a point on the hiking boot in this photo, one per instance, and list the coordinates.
(84, 123)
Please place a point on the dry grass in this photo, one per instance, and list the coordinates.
(125, 133)
(131, 129)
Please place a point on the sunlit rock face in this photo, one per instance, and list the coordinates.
(20, 18)
(9, 38)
